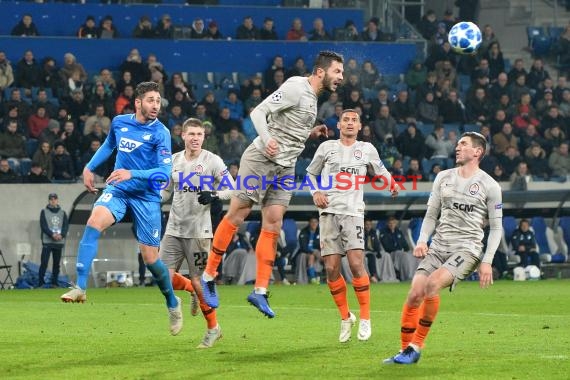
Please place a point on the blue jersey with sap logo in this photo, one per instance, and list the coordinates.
(144, 149)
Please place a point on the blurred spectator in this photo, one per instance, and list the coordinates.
(296, 33)
(354, 100)
(51, 133)
(319, 32)
(224, 122)
(326, 109)
(127, 97)
(442, 53)
(448, 19)
(12, 143)
(28, 72)
(126, 79)
(278, 80)
(164, 28)
(143, 29)
(437, 145)
(523, 242)
(559, 161)
(175, 116)
(395, 244)
(348, 33)
(211, 142)
(25, 27)
(183, 101)
(199, 30)
(6, 73)
(504, 139)
(478, 109)
(416, 75)
(554, 136)
(516, 70)
(428, 25)
(499, 88)
(535, 157)
(200, 113)
(254, 99)
(37, 122)
(397, 168)
(299, 68)
(106, 29)
(427, 110)
(78, 108)
(7, 175)
(372, 32)
(101, 98)
(71, 140)
(544, 104)
(351, 68)
(36, 175)
(233, 145)
(239, 263)
(372, 253)
(468, 10)
(402, 108)
(435, 170)
(62, 164)
(211, 104)
(42, 100)
(510, 159)
(248, 128)
(537, 74)
(213, 32)
(134, 64)
(49, 76)
(384, 124)
(98, 117)
(411, 142)
(102, 170)
(451, 109)
(520, 177)
(267, 31)
(176, 138)
(370, 76)
(249, 84)
(309, 255)
(88, 29)
(488, 39)
(247, 31)
(235, 105)
(499, 174)
(42, 157)
(96, 135)
(440, 36)
(494, 57)
(552, 117)
(70, 68)
(177, 83)
(12, 114)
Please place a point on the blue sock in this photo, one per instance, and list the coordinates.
(160, 273)
(86, 254)
(311, 272)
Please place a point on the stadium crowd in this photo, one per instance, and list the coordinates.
(55, 116)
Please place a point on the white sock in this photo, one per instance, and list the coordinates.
(207, 277)
(415, 347)
(260, 290)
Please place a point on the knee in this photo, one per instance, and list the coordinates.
(415, 297)
(332, 271)
(432, 288)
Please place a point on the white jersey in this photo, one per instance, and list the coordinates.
(340, 168)
(291, 112)
(465, 204)
(188, 218)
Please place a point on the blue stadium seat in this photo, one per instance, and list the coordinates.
(380, 225)
(541, 46)
(509, 226)
(290, 229)
(533, 31)
(539, 227)
(414, 228)
(471, 128)
(554, 33)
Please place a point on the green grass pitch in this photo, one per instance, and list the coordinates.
(509, 331)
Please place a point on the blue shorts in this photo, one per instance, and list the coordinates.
(146, 214)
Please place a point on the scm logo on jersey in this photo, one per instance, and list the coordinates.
(463, 207)
(128, 145)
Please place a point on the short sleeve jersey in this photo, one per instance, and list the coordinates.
(291, 113)
(140, 147)
(338, 165)
(465, 204)
(188, 218)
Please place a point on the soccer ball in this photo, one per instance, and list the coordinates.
(465, 37)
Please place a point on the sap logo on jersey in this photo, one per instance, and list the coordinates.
(463, 207)
(128, 145)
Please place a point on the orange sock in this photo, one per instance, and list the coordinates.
(265, 252)
(362, 289)
(338, 292)
(409, 323)
(428, 312)
(208, 312)
(179, 282)
(222, 238)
